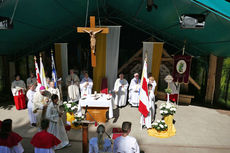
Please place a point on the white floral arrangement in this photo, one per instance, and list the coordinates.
(167, 109)
(160, 125)
(77, 119)
(70, 106)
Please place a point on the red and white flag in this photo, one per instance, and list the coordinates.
(144, 98)
(37, 73)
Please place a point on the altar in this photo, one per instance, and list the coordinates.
(98, 106)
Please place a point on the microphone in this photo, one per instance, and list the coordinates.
(86, 107)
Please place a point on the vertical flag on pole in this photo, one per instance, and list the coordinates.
(37, 72)
(54, 73)
(144, 98)
(42, 74)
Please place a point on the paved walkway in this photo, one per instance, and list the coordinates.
(199, 130)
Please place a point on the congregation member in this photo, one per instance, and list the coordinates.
(72, 83)
(100, 144)
(30, 95)
(40, 103)
(134, 89)
(146, 121)
(18, 89)
(126, 143)
(86, 85)
(120, 89)
(53, 90)
(56, 125)
(44, 142)
(31, 80)
(10, 142)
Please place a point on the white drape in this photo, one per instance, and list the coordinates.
(148, 47)
(112, 54)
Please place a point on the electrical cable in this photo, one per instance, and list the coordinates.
(15, 7)
(86, 16)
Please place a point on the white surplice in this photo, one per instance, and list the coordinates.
(54, 91)
(126, 144)
(86, 89)
(72, 82)
(16, 86)
(120, 88)
(30, 105)
(30, 81)
(15, 149)
(134, 89)
(151, 107)
(93, 146)
(56, 126)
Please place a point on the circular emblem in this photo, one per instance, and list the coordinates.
(181, 66)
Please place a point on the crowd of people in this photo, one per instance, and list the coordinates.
(44, 106)
(46, 141)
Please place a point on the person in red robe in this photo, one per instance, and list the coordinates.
(18, 88)
(9, 140)
(43, 141)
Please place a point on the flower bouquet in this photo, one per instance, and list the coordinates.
(167, 109)
(77, 119)
(70, 106)
(160, 125)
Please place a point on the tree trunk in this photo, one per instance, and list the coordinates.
(227, 86)
(220, 61)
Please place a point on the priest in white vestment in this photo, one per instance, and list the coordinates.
(18, 89)
(54, 90)
(31, 80)
(86, 85)
(126, 143)
(134, 89)
(30, 95)
(152, 81)
(72, 82)
(120, 89)
(40, 103)
(56, 126)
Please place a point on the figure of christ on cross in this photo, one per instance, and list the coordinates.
(92, 31)
(92, 35)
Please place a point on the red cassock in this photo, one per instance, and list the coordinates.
(12, 140)
(45, 140)
(20, 101)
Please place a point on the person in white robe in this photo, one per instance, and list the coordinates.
(40, 103)
(18, 88)
(126, 143)
(72, 83)
(146, 121)
(31, 80)
(152, 81)
(100, 144)
(134, 89)
(56, 126)
(86, 85)
(120, 89)
(54, 90)
(30, 95)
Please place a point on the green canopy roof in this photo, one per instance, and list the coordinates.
(38, 24)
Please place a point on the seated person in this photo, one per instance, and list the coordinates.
(99, 143)
(9, 140)
(126, 143)
(43, 141)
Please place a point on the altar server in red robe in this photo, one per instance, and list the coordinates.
(18, 88)
(43, 141)
(9, 140)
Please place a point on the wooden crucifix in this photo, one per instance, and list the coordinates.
(92, 31)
